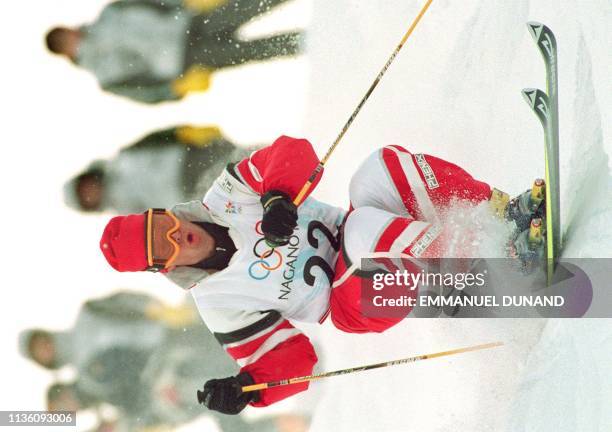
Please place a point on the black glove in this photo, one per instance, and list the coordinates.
(225, 395)
(279, 218)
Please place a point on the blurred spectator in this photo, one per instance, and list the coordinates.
(108, 426)
(121, 319)
(66, 397)
(158, 50)
(165, 167)
(144, 358)
(41, 346)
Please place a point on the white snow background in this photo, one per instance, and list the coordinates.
(453, 91)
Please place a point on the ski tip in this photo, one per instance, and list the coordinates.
(534, 92)
(538, 102)
(535, 29)
(534, 24)
(529, 94)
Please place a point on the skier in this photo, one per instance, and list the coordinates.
(255, 262)
(153, 51)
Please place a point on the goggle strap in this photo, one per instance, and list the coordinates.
(148, 236)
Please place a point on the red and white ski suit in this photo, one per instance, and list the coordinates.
(395, 198)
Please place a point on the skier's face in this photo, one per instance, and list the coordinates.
(175, 242)
(195, 244)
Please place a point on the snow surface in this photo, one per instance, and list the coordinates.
(454, 91)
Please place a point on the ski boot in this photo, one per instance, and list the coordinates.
(528, 246)
(521, 209)
(527, 206)
(527, 211)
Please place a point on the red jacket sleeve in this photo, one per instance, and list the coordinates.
(293, 358)
(269, 348)
(285, 165)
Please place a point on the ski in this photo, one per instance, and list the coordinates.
(546, 107)
(539, 102)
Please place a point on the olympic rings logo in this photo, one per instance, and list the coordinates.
(269, 259)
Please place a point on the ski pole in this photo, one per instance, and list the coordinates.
(264, 386)
(298, 199)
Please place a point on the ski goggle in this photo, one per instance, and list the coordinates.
(162, 249)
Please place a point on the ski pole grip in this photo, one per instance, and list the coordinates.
(300, 196)
(254, 387)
